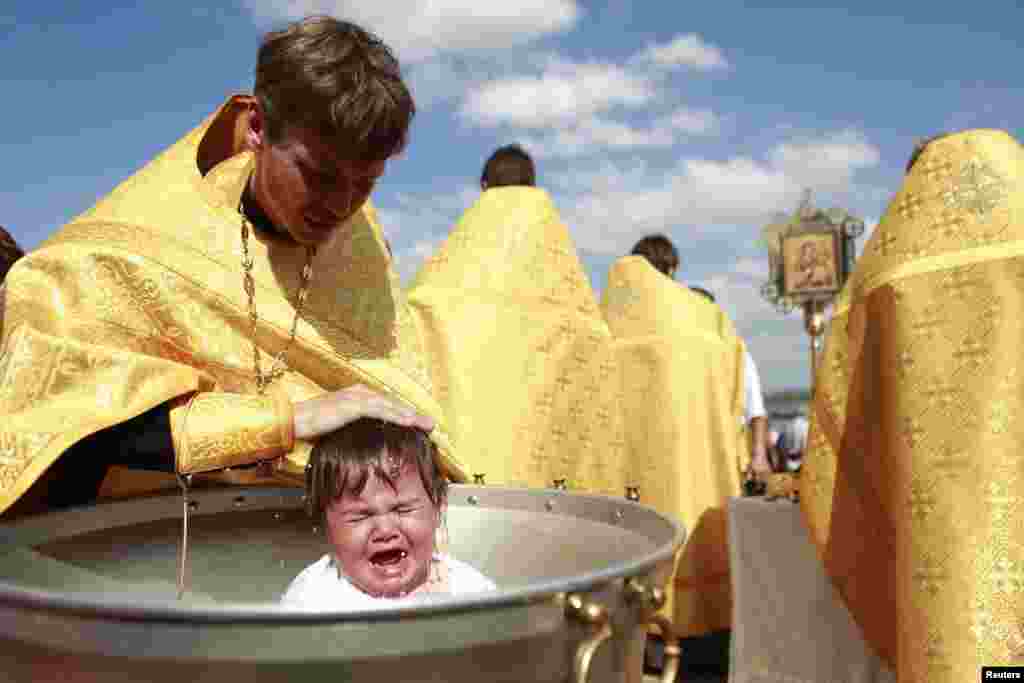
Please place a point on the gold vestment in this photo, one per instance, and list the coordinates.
(139, 301)
(911, 486)
(682, 371)
(521, 356)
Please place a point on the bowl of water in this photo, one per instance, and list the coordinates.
(94, 593)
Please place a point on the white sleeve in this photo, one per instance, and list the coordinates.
(800, 429)
(303, 590)
(295, 594)
(467, 579)
(754, 404)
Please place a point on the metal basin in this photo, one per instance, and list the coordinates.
(90, 594)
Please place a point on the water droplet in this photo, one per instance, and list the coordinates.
(316, 530)
(549, 506)
(473, 500)
(239, 501)
(278, 516)
(193, 505)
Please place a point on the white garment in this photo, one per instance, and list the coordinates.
(322, 586)
(793, 440)
(754, 404)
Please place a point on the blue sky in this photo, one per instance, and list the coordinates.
(700, 120)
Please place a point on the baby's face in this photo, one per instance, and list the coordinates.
(384, 537)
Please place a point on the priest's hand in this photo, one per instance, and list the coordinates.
(760, 466)
(332, 411)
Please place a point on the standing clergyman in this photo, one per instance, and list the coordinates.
(522, 359)
(229, 302)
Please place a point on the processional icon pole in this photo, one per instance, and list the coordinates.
(811, 253)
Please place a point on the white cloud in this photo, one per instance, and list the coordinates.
(418, 29)
(438, 80)
(605, 176)
(739, 296)
(828, 162)
(697, 192)
(572, 109)
(687, 50)
(597, 133)
(693, 121)
(737, 189)
(615, 134)
(610, 206)
(752, 267)
(565, 92)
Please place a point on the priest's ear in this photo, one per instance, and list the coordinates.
(256, 132)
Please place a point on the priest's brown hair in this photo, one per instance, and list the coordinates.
(338, 80)
(659, 252)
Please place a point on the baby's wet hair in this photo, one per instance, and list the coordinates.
(343, 461)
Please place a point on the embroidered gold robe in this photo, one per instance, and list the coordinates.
(911, 486)
(683, 396)
(139, 301)
(522, 360)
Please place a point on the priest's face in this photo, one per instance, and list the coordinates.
(383, 537)
(303, 185)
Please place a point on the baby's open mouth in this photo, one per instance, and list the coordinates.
(386, 558)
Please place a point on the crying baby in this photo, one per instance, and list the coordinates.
(381, 495)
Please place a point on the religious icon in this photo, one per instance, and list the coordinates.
(810, 264)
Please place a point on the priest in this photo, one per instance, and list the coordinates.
(682, 367)
(521, 356)
(911, 483)
(228, 303)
